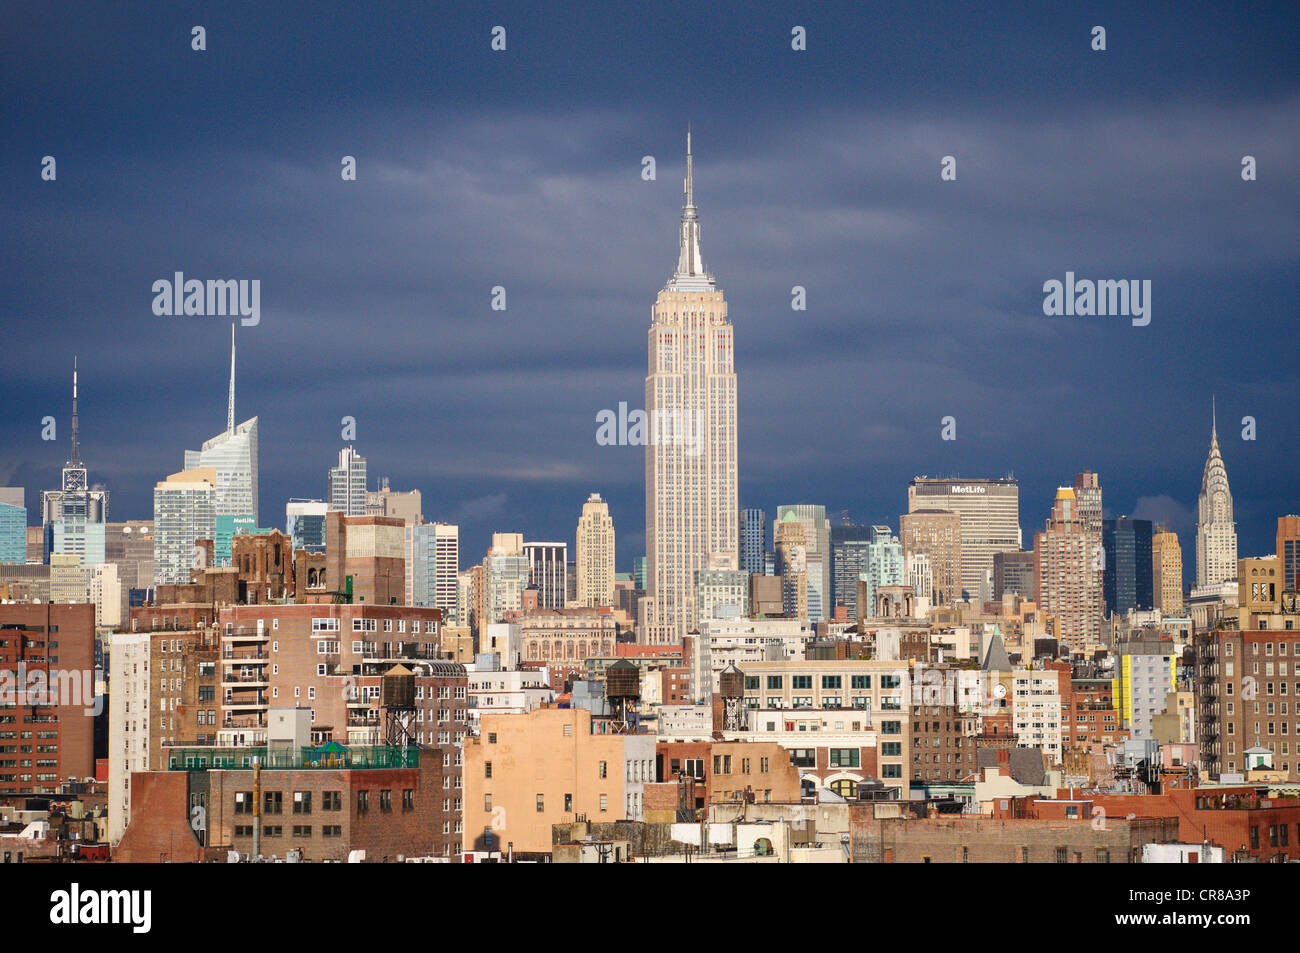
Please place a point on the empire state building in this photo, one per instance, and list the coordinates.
(690, 462)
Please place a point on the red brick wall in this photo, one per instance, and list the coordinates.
(159, 828)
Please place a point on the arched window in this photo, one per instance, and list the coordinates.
(845, 788)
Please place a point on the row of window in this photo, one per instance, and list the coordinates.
(829, 682)
(273, 801)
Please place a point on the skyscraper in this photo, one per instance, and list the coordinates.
(347, 483)
(74, 515)
(790, 539)
(937, 534)
(1216, 533)
(1087, 495)
(817, 555)
(753, 540)
(433, 568)
(505, 577)
(1013, 572)
(990, 523)
(1127, 570)
(1288, 550)
(1167, 572)
(595, 554)
(305, 524)
(548, 571)
(13, 526)
(402, 504)
(233, 455)
(848, 559)
(918, 575)
(1067, 574)
(184, 510)
(884, 568)
(691, 466)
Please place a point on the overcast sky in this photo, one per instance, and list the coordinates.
(523, 169)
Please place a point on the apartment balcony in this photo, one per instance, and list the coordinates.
(243, 721)
(229, 654)
(363, 721)
(242, 701)
(247, 633)
(250, 679)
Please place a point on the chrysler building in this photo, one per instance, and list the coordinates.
(1216, 533)
(690, 461)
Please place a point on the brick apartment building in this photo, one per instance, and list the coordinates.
(46, 648)
(882, 833)
(1248, 693)
(942, 743)
(691, 775)
(1242, 819)
(386, 802)
(527, 772)
(848, 697)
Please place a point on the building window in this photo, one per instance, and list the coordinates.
(332, 800)
(273, 802)
(363, 802)
(302, 802)
(844, 757)
(541, 804)
(604, 802)
(487, 769)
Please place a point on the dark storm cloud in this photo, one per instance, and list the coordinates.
(524, 171)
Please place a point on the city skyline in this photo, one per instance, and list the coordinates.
(732, 434)
(896, 272)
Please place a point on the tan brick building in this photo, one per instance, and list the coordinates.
(525, 773)
(877, 837)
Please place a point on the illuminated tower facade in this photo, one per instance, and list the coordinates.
(692, 513)
(1216, 533)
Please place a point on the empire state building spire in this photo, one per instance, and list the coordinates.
(690, 263)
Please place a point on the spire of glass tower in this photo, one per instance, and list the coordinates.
(230, 404)
(75, 459)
